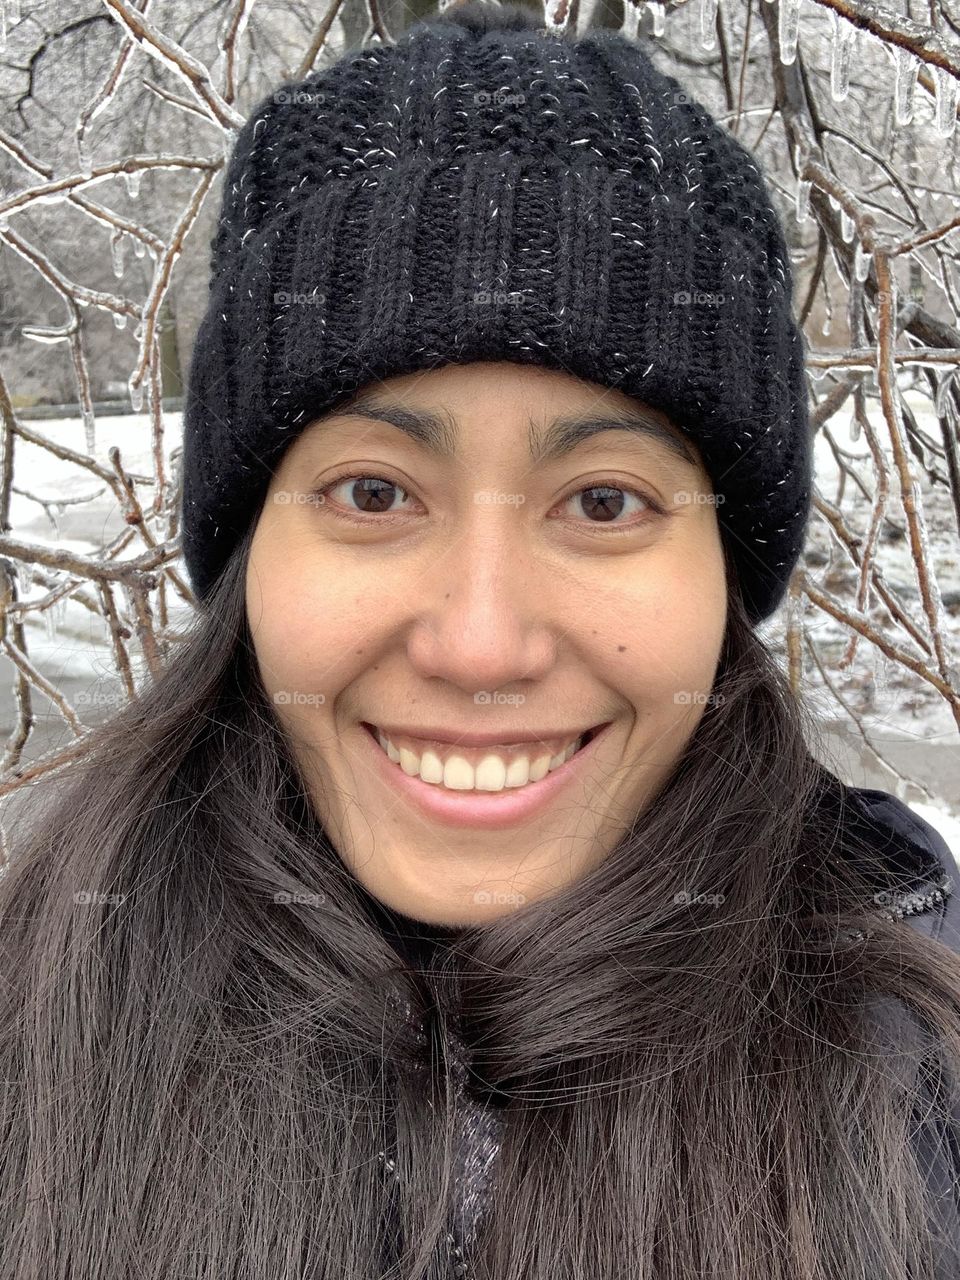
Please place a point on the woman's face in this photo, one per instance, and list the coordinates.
(494, 563)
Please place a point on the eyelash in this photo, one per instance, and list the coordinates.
(656, 509)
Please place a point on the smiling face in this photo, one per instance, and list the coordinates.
(494, 562)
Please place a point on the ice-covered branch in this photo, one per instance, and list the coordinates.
(166, 51)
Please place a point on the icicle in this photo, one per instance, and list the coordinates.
(131, 178)
(4, 224)
(89, 432)
(50, 622)
(658, 10)
(789, 30)
(834, 202)
(3, 26)
(116, 252)
(846, 226)
(843, 37)
(946, 101)
(119, 320)
(630, 27)
(854, 427)
(840, 263)
(708, 23)
(803, 200)
(139, 248)
(825, 327)
(907, 70)
(136, 394)
(861, 262)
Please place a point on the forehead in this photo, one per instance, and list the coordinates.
(438, 409)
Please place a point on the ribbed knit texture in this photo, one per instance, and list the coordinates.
(366, 209)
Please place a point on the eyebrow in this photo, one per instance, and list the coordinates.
(439, 431)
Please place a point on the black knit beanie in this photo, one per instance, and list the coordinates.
(610, 227)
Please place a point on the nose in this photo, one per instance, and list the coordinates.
(486, 620)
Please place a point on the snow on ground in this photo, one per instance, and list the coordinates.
(904, 715)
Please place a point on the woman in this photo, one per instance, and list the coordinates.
(464, 898)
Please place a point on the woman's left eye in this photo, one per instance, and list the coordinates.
(604, 502)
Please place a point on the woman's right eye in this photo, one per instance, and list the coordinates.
(372, 494)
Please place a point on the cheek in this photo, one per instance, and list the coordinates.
(660, 620)
(309, 620)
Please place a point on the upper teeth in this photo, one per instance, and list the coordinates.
(490, 771)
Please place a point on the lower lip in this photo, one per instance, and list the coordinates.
(488, 810)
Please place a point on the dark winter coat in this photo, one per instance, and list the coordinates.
(925, 864)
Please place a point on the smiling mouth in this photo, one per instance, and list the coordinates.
(478, 770)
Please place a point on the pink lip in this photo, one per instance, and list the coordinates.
(476, 808)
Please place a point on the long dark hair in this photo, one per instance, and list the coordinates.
(204, 1036)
